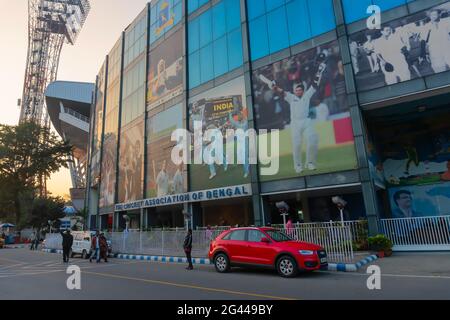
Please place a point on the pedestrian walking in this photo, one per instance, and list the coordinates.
(187, 245)
(33, 241)
(290, 228)
(66, 245)
(103, 247)
(95, 247)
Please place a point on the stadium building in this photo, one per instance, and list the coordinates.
(69, 107)
(361, 110)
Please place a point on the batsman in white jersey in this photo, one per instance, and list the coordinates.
(302, 126)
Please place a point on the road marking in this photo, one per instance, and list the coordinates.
(179, 285)
(390, 275)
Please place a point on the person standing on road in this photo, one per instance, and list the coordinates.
(188, 249)
(33, 241)
(66, 244)
(95, 247)
(103, 247)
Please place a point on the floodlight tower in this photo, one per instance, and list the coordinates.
(50, 24)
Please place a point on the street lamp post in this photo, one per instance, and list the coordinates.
(283, 208)
(340, 203)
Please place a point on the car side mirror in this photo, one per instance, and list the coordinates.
(265, 240)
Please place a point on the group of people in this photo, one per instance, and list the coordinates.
(166, 186)
(99, 246)
(406, 50)
(35, 240)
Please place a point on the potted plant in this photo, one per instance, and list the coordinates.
(381, 244)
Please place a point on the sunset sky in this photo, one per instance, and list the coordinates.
(78, 63)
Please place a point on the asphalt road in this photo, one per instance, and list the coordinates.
(35, 275)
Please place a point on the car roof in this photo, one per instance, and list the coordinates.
(253, 228)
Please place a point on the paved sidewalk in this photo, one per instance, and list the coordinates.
(415, 264)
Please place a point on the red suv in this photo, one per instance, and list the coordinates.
(265, 247)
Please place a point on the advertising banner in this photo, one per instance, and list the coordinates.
(304, 97)
(220, 108)
(164, 177)
(165, 78)
(131, 161)
(414, 156)
(164, 16)
(108, 181)
(404, 49)
(420, 200)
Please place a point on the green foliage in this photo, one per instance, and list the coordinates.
(46, 209)
(27, 151)
(380, 243)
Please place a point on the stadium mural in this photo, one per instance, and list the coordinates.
(131, 161)
(165, 78)
(404, 49)
(305, 98)
(164, 177)
(223, 108)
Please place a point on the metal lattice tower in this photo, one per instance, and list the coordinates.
(50, 24)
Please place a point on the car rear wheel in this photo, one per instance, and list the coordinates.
(222, 263)
(287, 267)
(84, 255)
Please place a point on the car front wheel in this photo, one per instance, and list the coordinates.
(84, 255)
(222, 263)
(287, 267)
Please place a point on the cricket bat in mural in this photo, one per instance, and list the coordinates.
(270, 83)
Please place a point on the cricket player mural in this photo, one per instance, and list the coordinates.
(404, 49)
(165, 14)
(305, 98)
(165, 78)
(131, 161)
(164, 177)
(221, 108)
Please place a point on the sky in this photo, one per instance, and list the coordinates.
(81, 62)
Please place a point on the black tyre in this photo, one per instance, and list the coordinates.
(84, 255)
(222, 263)
(71, 254)
(287, 267)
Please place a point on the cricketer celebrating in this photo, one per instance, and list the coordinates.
(302, 125)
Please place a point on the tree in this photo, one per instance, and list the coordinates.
(45, 210)
(28, 151)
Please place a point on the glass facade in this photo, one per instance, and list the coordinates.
(355, 10)
(181, 69)
(110, 133)
(164, 15)
(215, 42)
(277, 24)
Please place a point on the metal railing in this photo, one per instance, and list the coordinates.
(425, 233)
(75, 114)
(336, 240)
(358, 228)
(161, 243)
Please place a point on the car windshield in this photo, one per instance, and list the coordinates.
(278, 236)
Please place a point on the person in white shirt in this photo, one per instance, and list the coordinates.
(162, 181)
(437, 33)
(389, 49)
(302, 128)
(178, 181)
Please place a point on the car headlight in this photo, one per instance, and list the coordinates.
(306, 252)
